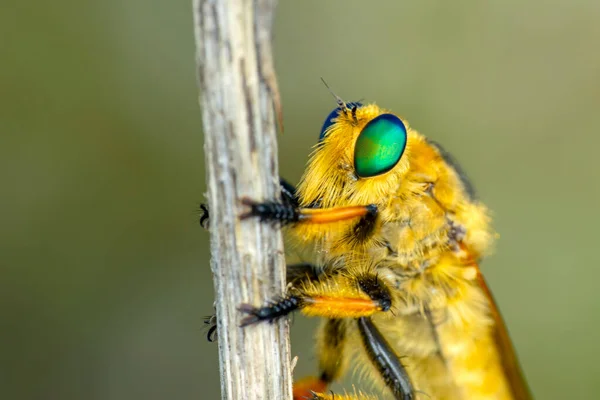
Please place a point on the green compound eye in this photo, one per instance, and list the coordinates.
(379, 146)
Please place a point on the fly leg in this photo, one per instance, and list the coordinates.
(385, 360)
(289, 211)
(272, 211)
(204, 216)
(282, 213)
(288, 198)
(296, 274)
(330, 344)
(331, 296)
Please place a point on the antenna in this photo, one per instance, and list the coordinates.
(341, 103)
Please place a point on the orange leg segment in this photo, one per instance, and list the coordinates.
(340, 307)
(305, 388)
(328, 215)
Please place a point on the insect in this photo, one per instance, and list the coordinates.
(395, 235)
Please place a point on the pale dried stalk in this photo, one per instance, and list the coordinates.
(237, 93)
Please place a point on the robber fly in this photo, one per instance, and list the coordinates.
(395, 234)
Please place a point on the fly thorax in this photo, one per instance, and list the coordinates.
(418, 230)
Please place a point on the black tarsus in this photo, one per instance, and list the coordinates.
(273, 311)
(211, 320)
(284, 212)
(385, 360)
(212, 334)
(295, 274)
(204, 217)
(288, 197)
(271, 211)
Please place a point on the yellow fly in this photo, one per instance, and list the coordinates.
(396, 235)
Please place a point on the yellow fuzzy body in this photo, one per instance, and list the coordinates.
(442, 322)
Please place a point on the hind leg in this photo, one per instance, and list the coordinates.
(383, 359)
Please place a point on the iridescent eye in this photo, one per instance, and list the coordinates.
(328, 121)
(379, 146)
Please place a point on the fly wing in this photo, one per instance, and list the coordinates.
(510, 364)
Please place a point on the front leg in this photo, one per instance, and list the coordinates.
(285, 213)
(288, 197)
(337, 296)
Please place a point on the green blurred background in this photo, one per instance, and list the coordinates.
(104, 276)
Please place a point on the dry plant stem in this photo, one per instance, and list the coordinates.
(238, 93)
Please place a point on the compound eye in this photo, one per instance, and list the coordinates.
(379, 146)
